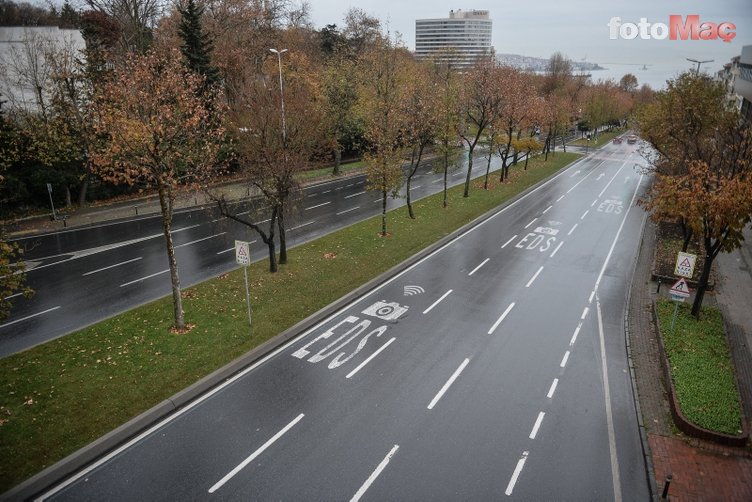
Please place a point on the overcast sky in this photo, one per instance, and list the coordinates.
(577, 28)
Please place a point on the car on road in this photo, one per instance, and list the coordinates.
(631, 139)
(617, 140)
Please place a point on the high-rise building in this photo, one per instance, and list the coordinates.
(743, 83)
(461, 39)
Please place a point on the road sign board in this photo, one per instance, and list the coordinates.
(242, 253)
(680, 289)
(685, 265)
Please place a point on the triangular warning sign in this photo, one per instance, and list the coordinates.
(241, 252)
(680, 288)
(685, 263)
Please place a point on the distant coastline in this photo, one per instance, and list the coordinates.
(536, 64)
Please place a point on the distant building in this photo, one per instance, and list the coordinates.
(461, 39)
(24, 65)
(743, 83)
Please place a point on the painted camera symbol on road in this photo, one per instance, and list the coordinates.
(388, 311)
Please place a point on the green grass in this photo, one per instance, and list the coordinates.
(701, 369)
(60, 396)
(602, 139)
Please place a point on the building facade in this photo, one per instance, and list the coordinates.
(743, 83)
(461, 40)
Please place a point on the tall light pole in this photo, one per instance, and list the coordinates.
(699, 63)
(281, 92)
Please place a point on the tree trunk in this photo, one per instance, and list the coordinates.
(383, 213)
(407, 197)
(469, 171)
(68, 200)
(165, 202)
(488, 170)
(687, 234)
(337, 161)
(282, 236)
(82, 191)
(446, 172)
(702, 285)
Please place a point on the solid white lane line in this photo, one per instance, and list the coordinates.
(29, 317)
(348, 186)
(348, 210)
(572, 229)
(559, 199)
(584, 313)
(448, 384)
(615, 175)
(375, 474)
(509, 241)
(557, 249)
(361, 365)
(413, 188)
(303, 225)
(354, 195)
(609, 411)
(479, 266)
(459, 174)
(317, 205)
(144, 278)
(532, 279)
(584, 214)
(534, 220)
(564, 359)
(13, 296)
(313, 194)
(326, 191)
(590, 300)
(438, 180)
(199, 240)
(111, 266)
(437, 302)
(516, 473)
(594, 202)
(379, 200)
(501, 318)
(618, 233)
(255, 454)
(537, 425)
(360, 182)
(576, 332)
(553, 388)
(546, 210)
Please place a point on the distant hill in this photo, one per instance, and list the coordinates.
(540, 64)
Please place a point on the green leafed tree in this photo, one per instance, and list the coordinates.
(197, 46)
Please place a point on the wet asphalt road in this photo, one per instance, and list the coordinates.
(83, 276)
(495, 368)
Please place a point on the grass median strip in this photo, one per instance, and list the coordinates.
(701, 368)
(60, 396)
(602, 139)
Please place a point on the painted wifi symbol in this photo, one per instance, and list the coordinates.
(413, 290)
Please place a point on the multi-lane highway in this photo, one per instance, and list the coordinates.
(82, 276)
(493, 368)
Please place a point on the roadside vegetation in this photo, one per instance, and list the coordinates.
(701, 368)
(60, 396)
(602, 138)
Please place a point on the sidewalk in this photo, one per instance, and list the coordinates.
(700, 470)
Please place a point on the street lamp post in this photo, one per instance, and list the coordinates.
(697, 71)
(281, 92)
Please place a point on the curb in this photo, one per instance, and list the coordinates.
(646, 452)
(682, 423)
(78, 460)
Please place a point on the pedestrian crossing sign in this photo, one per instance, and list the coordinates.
(685, 265)
(242, 253)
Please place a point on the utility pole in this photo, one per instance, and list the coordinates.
(697, 71)
(281, 92)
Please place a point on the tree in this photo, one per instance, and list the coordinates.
(513, 109)
(480, 103)
(381, 108)
(12, 275)
(136, 20)
(340, 90)
(628, 83)
(421, 117)
(197, 46)
(449, 113)
(159, 133)
(709, 185)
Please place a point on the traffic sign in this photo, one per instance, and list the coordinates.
(680, 290)
(242, 253)
(685, 265)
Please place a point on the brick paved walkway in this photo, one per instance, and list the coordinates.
(700, 470)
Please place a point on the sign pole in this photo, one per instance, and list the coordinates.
(247, 294)
(673, 320)
(49, 191)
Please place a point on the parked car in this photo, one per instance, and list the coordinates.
(617, 140)
(631, 139)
